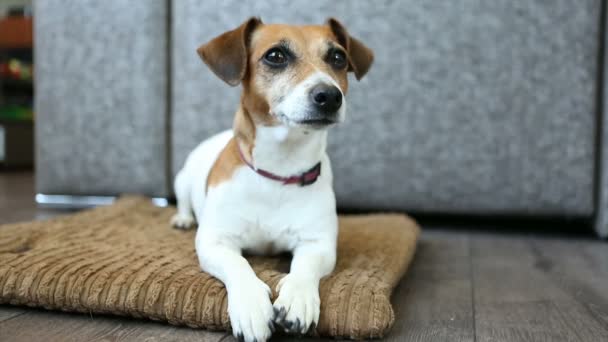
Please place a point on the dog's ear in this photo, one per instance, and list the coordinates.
(360, 57)
(226, 55)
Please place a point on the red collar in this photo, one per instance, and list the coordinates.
(303, 179)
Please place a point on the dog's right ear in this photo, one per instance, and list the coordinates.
(226, 55)
(360, 57)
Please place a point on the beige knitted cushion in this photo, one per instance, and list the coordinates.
(125, 260)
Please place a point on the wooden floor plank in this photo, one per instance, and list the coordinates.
(39, 325)
(580, 269)
(517, 300)
(463, 286)
(434, 301)
(9, 312)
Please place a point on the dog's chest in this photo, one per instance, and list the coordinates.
(264, 216)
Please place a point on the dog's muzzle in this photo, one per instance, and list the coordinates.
(326, 101)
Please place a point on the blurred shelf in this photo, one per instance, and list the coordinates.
(16, 122)
(16, 33)
(16, 114)
(16, 84)
(14, 81)
(16, 143)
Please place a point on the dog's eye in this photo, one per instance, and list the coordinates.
(337, 59)
(275, 58)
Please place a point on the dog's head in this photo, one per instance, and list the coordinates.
(291, 75)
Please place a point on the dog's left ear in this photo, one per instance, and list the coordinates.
(360, 57)
(226, 55)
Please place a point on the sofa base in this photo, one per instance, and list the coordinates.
(77, 202)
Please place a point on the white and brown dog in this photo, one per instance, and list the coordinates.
(265, 187)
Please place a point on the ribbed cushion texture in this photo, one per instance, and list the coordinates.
(125, 259)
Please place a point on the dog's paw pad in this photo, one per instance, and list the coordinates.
(182, 221)
(251, 312)
(296, 310)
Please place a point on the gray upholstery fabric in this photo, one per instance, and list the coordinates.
(101, 96)
(601, 219)
(471, 106)
(601, 216)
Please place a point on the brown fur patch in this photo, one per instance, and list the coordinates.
(225, 165)
(226, 54)
(360, 57)
(255, 104)
(244, 130)
(310, 44)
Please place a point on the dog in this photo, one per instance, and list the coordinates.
(265, 187)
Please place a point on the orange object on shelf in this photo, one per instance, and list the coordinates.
(16, 32)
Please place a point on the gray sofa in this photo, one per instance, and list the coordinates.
(470, 108)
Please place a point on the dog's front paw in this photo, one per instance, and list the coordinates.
(297, 307)
(250, 311)
(183, 221)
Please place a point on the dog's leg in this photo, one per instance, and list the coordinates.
(297, 307)
(249, 305)
(183, 218)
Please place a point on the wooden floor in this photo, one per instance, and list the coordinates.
(465, 284)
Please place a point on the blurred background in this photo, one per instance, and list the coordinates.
(16, 84)
(482, 109)
(483, 119)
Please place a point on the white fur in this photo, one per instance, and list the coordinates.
(253, 214)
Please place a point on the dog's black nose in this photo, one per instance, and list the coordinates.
(326, 98)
